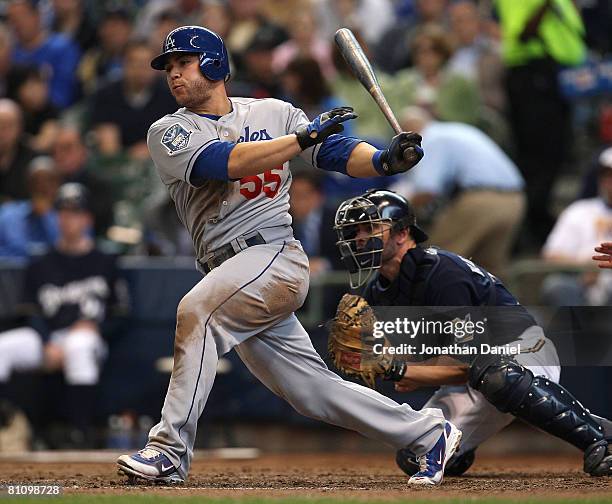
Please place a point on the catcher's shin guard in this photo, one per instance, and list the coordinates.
(511, 388)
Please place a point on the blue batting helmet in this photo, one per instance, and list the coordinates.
(214, 62)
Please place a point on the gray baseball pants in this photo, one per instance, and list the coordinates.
(247, 303)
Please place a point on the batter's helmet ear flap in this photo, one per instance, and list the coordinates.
(215, 66)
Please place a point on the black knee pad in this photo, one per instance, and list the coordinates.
(502, 381)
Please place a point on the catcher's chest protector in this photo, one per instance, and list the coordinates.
(413, 286)
(409, 288)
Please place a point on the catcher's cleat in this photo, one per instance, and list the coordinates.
(432, 464)
(457, 465)
(151, 465)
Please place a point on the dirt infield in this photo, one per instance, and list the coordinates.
(364, 476)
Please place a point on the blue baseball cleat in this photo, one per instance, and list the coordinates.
(151, 465)
(432, 464)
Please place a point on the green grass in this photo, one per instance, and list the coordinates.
(157, 499)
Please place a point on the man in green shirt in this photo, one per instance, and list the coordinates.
(539, 37)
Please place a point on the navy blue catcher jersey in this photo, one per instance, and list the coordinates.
(434, 277)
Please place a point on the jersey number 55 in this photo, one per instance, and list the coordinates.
(267, 182)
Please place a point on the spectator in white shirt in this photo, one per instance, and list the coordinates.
(580, 228)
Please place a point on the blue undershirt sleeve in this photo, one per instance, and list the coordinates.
(333, 154)
(211, 163)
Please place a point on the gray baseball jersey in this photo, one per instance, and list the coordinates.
(220, 211)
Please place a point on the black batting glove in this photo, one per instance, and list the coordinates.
(324, 125)
(403, 153)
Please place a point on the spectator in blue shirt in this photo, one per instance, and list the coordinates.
(481, 187)
(54, 53)
(30, 227)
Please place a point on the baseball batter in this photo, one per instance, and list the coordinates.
(225, 164)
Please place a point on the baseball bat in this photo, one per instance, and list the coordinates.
(362, 69)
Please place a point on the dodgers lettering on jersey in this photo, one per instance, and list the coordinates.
(220, 211)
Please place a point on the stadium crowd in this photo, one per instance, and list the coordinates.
(513, 100)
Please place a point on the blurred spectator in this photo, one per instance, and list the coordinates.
(580, 228)
(305, 86)
(165, 22)
(249, 36)
(29, 87)
(313, 222)
(6, 49)
(392, 53)
(482, 186)
(597, 16)
(257, 78)
(188, 12)
(603, 140)
(305, 42)
(430, 84)
(215, 17)
(372, 18)
(103, 64)
(590, 180)
(72, 163)
(71, 19)
(605, 121)
(53, 53)
(68, 293)
(121, 112)
(30, 227)
(537, 39)
(282, 12)
(14, 154)
(247, 20)
(477, 56)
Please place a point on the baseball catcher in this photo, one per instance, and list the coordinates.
(378, 239)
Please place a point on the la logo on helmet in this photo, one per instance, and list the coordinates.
(170, 43)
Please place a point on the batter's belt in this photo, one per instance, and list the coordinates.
(223, 253)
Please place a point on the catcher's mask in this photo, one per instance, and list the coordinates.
(373, 209)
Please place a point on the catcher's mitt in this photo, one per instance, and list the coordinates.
(351, 342)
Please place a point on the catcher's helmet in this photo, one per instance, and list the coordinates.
(214, 62)
(375, 206)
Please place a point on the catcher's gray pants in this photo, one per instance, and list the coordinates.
(476, 417)
(247, 303)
